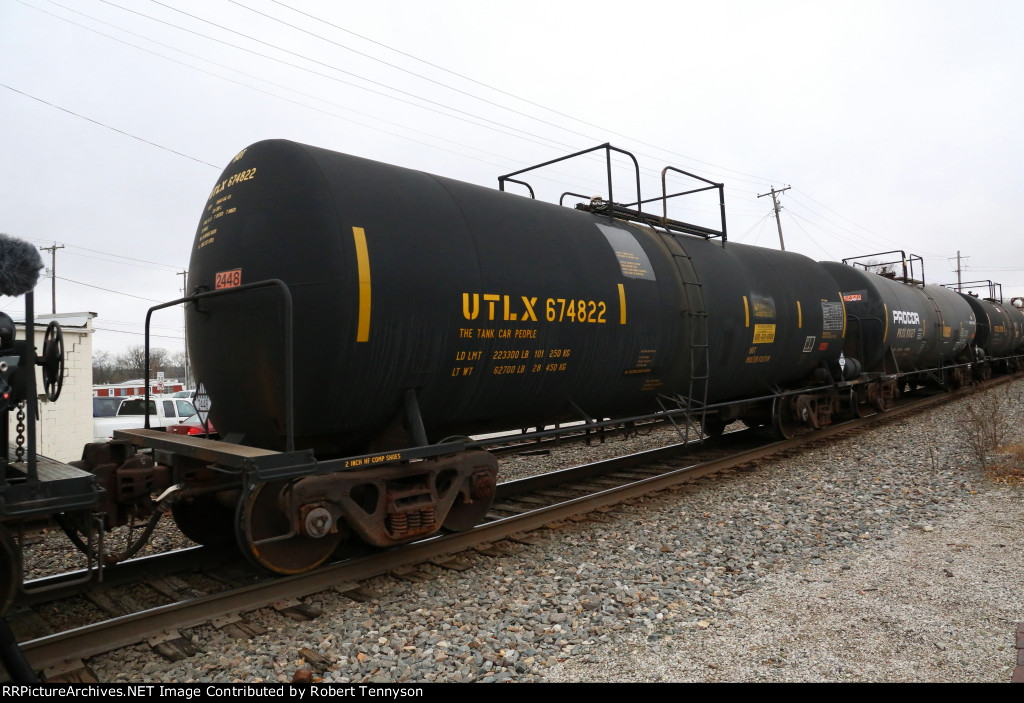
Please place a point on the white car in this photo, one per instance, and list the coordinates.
(132, 414)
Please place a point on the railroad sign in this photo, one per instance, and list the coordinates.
(228, 279)
(203, 402)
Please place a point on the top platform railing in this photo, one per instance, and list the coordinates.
(907, 269)
(632, 211)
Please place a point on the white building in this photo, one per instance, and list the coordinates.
(66, 426)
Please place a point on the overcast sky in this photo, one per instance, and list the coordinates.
(897, 124)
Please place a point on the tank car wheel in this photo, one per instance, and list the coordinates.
(466, 514)
(880, 403)
(784, 422)
(10, 576)
(858, 409)
(205, 521)
(267, 537)
(948, 383)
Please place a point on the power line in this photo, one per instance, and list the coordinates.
(138, 334)
(301, 68)
(278, 85)
(757, 223)
(499, 90)
(317, 73)
(796, 219)
(864, 233)
(381, 61)
(490, 124)
(106, 126)
(151, 266)
(376, 127)
(140, 324)
(116, 292)
(333, 68)
(392, 65)
(98, 251)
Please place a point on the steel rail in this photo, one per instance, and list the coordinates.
(74, 645)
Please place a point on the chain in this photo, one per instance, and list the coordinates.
(19, 452)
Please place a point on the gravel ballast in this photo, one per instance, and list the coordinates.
(886, 557)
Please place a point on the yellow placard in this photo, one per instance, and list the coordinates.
(764, 334)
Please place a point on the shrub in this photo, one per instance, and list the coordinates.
(986, 430)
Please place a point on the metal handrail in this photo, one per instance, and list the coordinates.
(608, 148)
(289, 382)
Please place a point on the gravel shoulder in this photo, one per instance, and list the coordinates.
(937, 603)
(888, 557)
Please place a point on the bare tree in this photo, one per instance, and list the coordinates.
(175, 366)
(133, 362)
(105, 368)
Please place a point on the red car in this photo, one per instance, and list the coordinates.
(193, 426)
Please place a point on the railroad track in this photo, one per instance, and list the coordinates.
(520, 507)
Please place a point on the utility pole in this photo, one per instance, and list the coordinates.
(53, 273)
(778, 222)
(959, 273)
(184, 283)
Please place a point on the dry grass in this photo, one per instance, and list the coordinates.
(1007, 464)
(990, 437)
(984, 426)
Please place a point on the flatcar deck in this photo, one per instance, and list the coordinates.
(59, 487)
(211, 450)
(262, 464)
